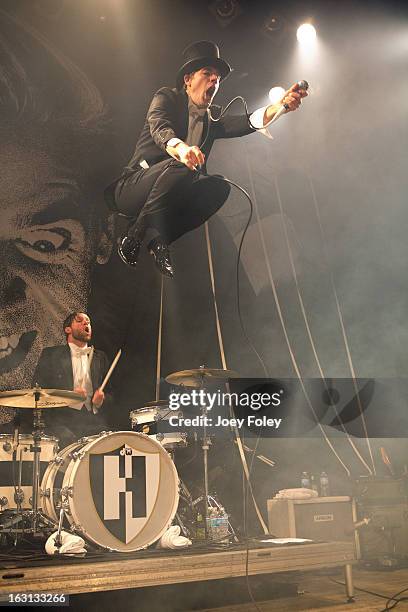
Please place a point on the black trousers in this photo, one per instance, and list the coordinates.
(169, 198)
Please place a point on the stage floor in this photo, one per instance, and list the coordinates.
(154, 568)
(320, 593)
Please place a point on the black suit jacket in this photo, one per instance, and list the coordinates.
(54, 368)
(167, 118)
(54, 371)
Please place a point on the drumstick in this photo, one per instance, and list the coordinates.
(108, 375)
(90, 357)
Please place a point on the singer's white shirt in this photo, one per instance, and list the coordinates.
(81, 373)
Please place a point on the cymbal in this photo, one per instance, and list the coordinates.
(199, 376)
(153, 404)
(162, 402)
(49, 398)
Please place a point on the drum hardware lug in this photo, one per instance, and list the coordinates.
(30, 501)
(77, 456)
(76, 527)
(183, 434)
(57, 460)
(45, 493)
(64, 504)
(19, 496)
(159, 437)
(3, 500)
(7, 447)
(66, 492)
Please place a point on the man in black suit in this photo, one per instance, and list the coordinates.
(161, 187)
(78, 367)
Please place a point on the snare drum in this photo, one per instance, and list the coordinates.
(118, 489)
(153, 421)
(23, 464)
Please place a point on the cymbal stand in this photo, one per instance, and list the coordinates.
(210, 501)
(38, 424)
(205, 447)
(17, 459)
(58, 536)
(38, 521)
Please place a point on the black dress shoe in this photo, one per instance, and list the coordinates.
(161, 254)
(128, 249)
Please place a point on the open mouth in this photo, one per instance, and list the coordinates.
(14, 349)
(210, 92)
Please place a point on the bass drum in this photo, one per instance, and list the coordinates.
(119, 490)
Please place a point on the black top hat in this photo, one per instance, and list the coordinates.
(200, 54)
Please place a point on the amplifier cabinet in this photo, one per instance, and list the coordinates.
(387, 532)
(320, 518)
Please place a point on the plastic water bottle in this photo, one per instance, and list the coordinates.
(223, 524)
(200, 527)
(305, 480)
(324, 485)
(217, 524)
(313, 484)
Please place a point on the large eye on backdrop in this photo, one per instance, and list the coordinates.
(53, 244)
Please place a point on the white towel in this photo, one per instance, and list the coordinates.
(300, 493)
(71, 544)
(172, 539)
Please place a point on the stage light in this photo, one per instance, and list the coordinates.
(276, 94)
(274, 27)
(225, 11)
(274, 24)
(306, 34)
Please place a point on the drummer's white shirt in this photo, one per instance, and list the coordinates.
(81, 373)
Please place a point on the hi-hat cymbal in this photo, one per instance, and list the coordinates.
(48, 398)
(199, 376)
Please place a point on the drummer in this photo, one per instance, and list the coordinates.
(75, 366)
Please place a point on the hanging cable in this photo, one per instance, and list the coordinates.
(343, 329)
(308, 330)
(283, 325)
(224, 365)
(159, 342)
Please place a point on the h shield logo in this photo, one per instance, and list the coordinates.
(118, 484)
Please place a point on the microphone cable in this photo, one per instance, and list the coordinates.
(238, 261)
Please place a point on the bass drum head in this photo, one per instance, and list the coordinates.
(122, 491)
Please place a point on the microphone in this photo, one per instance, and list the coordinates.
(356, 526)
(285, 107)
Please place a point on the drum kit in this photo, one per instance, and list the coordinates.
(119, 490)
